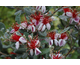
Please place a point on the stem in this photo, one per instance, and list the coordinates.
(57, 10)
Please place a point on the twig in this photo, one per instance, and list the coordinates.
(2, 53)
(56, 10)
(68, 52)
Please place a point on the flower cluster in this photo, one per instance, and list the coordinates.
(19, 40)
(56, 56)
(73, 14)
(33, 45)
(58, 39)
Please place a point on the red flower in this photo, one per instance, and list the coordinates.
(63, 36)
(74, 14)
(33, 44)
(52, 35)
(16, 27)
(8, 57)
(66, 10)
(56, 56)
(46, 20)
(37, 17)
(15, 37)
(13, 53)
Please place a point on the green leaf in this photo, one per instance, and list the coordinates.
(35, 57)
(0, 45)
(26, 34)
(63, 17)
(43, 41)
(27, 11)
(42, 33)
(66, 29)
(44, 51)
(1, 33)
(20, 50)
(31, 35)
(64, 51)
(18, 33)
(18, 12)
(2, 27)
(17, 18)
(19, 56)
(24, 56)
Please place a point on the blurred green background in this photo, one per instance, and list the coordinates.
(7, 16)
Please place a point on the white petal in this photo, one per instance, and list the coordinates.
(56, 42)
(48, 39)
(33, 28)
(43, 9)
(51, 42)
(37, 51)
(63, 14)
(69, 14)
(31, 52)
(37, 42)
(29, 44)
(30, 37)
(38, 7)
(29, 27)
(66, 38)
(76, 19)
(48, 26)
(43, 28)
(12, 31)
(34, 21)
(57, 35)
(22, 40)
(17, 45)
(62, 42)
(40, 26)
(58, 55)
(71, 20)
(23, 25)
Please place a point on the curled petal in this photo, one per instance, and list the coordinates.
(62, 42)
(59, 55)
(51, 42)
(33, 28)
(23, 25)
(38, 7)
(48, 26)
(43, 28)
(37, 42)
(28, 44)
(71, 20)
(56, 42)
(12, 31)
(31, 52)
(76, 19)
(37, 51)
(57, 35)
(30, 37)
(22, 40)
(34, 21)
(69, 14)
(43, 9)
(63, 14)
(29, 27)
(40, 26)
(17, 45)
